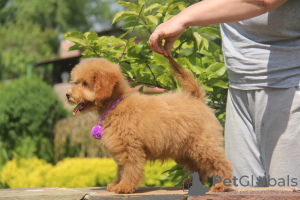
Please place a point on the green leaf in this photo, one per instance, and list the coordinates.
(160, 60)
(116, 41)
(211, 31)
(205, 43)
(127, 69)
(123, 14)
(187, 49)
(126, 66)
(145, 27)
(77, 47)
(128, 25)
(123, 35)
(151, 7)
(188, 45)
(221, 84)
(92, 36)
(173, 6)
(131, 41)
(168, 16)
(194, 63)
(109, 41)
(109, 53)
(198, 38)
(138, 48)
(173, 169)
(162, 9)
(208, 88)
(89, 54)
(159, 15)
(153, 19)
(176, 44)
(215, 70)
(128, 4)
(144, 78)
(75, 36)
(181, 7)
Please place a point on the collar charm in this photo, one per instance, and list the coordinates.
(97, 131)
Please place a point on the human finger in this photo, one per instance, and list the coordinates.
(168, 46)
(155, 42)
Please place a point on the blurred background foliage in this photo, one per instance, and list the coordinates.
(37, 135)
(30, 30)
(29, 111)
(72, 137)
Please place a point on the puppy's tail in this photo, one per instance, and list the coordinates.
(187, 80)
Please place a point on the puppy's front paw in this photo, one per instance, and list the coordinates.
(110, 187)
(123, 188)
(219, 188)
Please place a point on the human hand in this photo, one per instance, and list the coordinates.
(169, 31)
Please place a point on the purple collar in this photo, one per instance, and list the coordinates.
(97, 131)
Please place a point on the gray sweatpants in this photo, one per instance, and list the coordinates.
(262, 136)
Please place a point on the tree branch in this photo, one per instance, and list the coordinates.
(152, 74)
(91, 48)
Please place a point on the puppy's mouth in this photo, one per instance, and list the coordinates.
(80, 107)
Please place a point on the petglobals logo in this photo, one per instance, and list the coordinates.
(252, 181)
(196, 188)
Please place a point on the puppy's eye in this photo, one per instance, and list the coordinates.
(76, 83)
(85, 83)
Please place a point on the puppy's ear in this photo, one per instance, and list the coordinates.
(104, 83)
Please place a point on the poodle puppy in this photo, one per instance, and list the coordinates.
(174, 125)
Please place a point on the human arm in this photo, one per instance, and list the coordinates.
(204, 13)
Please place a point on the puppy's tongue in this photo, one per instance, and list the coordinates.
(77, 108)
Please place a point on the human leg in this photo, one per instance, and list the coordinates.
(279, 135)
(240, 138)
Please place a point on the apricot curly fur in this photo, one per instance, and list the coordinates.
(175, 125)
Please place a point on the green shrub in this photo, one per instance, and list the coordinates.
(24, 173)
(29, 111)
(154, 174)
(81, 172)
(73, 173)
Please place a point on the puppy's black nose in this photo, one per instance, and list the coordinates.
(68, 96)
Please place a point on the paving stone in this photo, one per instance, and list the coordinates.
(148, 193)
(97, 193)
(43, 194)
(263, 193)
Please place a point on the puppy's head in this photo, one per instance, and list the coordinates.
(96, 80)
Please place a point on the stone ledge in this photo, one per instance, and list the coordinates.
(147, 193)
(263, 193)
(97, 193)
(43, 194)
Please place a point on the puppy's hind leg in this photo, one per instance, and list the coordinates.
(192, 166)
(213, 160)
(221, 167)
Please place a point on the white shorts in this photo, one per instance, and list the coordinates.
(262, 136)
